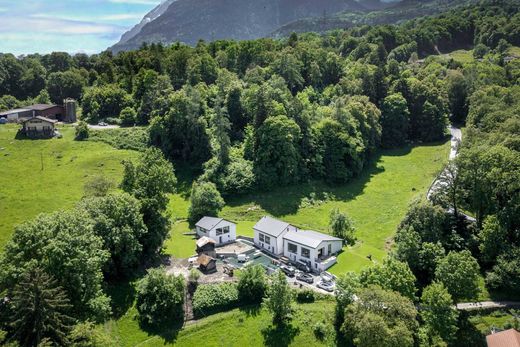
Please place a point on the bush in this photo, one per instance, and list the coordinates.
(160, 298)
(128, 117)
(252, 284)
(82, 131)
(305, 296)
(320, 330)
(212, 298)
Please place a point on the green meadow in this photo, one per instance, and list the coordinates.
(48, 175)
(376, 201)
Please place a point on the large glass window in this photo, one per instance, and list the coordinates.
(226, 230)
(261, 237)
(305, 252)
(219, 231)
(267, 240)
(292, 248)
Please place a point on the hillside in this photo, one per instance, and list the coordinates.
(188, 21)
(408, 9)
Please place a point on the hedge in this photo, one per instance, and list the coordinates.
(212, 298)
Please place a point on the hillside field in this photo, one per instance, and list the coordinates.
(48, 175)
(376, 201)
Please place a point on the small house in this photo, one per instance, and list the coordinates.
(506, 338)
(268, 234)
(220, 230)
(207, 264)
(38, 127)
(206, 245)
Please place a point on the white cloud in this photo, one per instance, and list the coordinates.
(47, 24)
(122, 16)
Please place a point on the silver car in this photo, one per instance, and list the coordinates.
(325, 285)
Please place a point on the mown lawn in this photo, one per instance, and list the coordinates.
(376, 201)
(48, 175)
(238, 327)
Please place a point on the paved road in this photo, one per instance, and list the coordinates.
(468, 306)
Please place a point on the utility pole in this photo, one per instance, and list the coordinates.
(41, 159)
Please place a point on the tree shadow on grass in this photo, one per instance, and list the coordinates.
(122, 296)
(251, 310)
(468, 335)
(279, 335)
(168, 331)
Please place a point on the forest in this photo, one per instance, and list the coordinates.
(256, 115)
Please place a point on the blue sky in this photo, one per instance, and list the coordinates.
(89, 26)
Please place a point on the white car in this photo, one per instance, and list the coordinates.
(325, 285)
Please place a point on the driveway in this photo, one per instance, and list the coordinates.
(106, 127)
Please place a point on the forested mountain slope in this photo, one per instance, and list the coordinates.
(188, 21)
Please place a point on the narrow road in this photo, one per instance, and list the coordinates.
(468, 306)
(456, 139)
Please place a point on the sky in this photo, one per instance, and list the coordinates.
(86, 26)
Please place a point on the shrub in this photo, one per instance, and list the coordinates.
(212, 298)
(306, 295)
(252, 284)
(128, 138)
(160, 298)
(82, 131)
(320, 330)
(127, 117)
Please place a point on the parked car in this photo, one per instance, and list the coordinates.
(300, 265)
(326, 285)
(242, 258)
(304, 277)
(327, 276)
(288, 270)
(3, 120)
(102, 124)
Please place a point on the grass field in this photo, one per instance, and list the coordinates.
(239, 327)
(48, 175)
(376, 201)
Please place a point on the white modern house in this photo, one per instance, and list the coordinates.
(269, 234)
(218, 229)
(315, 249)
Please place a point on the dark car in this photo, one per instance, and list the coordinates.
(302, 276)
(303, 267)
(288, 270)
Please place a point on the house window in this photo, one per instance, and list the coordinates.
(202, 230)
(261, 237)
(292, 248)
(267, 240)
(305, 252)
(330, 248)
(226, 230)
(219, 231)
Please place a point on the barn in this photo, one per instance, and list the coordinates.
(38, 127)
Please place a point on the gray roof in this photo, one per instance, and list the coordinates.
(16, 110)
(40, 118)
(208, 223)
(309, 238)
(271, 226)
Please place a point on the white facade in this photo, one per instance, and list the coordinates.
(315, 249)
(318, 258)
(268, 234)
(220, 230)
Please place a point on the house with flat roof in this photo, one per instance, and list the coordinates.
(218, 229)
(269, 234)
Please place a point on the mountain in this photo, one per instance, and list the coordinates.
(387, 14)
(188, 21)
(150, 16)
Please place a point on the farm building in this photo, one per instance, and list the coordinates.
(316, 250)
(38, 127)
(66, 113)
(220, 230)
